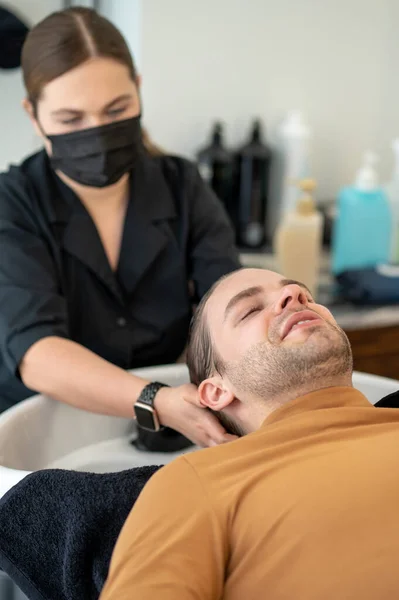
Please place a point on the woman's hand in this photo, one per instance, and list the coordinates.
(178, 408)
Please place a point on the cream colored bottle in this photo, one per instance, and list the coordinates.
(298, 240)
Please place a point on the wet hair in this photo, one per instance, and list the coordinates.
(203, 359)
(66, 39)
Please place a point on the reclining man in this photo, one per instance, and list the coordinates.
(305, 504)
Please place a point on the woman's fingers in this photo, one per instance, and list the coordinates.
(215, 431)
(191, 395)
(178, 409)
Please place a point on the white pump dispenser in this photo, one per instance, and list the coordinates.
(298, 239)
(367, 178)
(290, 164)
(295, 134)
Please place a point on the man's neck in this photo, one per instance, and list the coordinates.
(256, 410)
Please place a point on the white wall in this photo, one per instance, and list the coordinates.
(16, 134)
(236, 59)
(127, 15)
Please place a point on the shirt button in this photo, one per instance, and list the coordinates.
(121, 322)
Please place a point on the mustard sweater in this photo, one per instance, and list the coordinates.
(305, 508)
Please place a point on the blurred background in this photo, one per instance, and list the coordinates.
(234, 60)
(221, 79)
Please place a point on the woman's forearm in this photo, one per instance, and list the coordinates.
(68, 372)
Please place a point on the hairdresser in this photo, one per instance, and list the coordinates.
(106, 242)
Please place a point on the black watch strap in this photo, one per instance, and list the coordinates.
(146, 414)
(148, 394)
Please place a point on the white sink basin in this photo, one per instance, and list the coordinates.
(111, 456)
(41, 433)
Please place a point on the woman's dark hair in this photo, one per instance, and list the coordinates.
(66, 39)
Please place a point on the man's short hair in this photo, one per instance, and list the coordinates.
(202, 358)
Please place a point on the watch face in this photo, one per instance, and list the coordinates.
(146, 417)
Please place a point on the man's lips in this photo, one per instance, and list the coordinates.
(295, 320)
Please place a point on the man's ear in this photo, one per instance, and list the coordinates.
(215, 394)
(28, 108)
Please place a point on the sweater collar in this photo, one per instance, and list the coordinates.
(332, 397)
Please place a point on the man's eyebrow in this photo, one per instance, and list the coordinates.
(285, 282)
(247, 293)
(73, 111)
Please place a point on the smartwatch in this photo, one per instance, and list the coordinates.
(146, 415)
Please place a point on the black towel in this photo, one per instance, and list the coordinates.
(390, 401)
(58, 530)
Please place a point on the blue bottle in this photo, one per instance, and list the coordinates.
(362, 231)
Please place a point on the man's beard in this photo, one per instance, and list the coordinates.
(270, 371)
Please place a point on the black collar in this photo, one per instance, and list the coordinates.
(150, 204)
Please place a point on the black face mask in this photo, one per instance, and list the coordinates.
(98, 156)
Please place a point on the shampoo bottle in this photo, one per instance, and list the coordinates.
(291, 163)
(296, 136)
(215, 164)
(298, 239)
(251, 189)
(362, 229)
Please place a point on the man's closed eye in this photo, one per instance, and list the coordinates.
(250, 311)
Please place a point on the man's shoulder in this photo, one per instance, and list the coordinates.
(207, 472)
(198, 464)
(177, 483)
(210, 464)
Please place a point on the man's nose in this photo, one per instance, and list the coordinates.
(292, 297)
